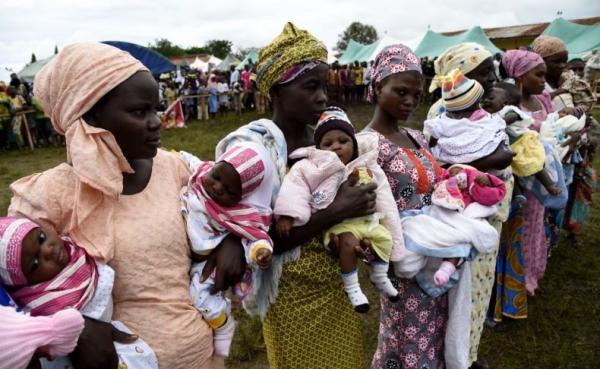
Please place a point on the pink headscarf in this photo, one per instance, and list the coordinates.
(391, 60)
(12, 234)
(68, 87)
(518, 62)
(73, 287)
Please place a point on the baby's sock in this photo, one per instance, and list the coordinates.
(357, 297)
(223, 336)
(380, 279)
(442, 275)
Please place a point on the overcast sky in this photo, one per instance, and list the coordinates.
(28, 26)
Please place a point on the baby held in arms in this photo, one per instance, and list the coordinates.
(312, 184)
(503, 100)
(229, 196)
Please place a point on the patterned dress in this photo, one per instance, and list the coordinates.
(412, 330)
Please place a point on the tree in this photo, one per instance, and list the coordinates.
(33, 58)
(55, 49)
(166, 48)
(363, 33)
(218, 48)
(193, 50)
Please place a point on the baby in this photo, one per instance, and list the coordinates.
(460, 187)
(464, 133)
(503, 100)
(461, 204)
(231, 195)
(45, 274)
(312, 184)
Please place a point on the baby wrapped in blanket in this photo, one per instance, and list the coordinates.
(462, 202)
(46, 274)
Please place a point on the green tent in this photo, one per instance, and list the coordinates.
(228, 62)
(433, 44)
(357, 51)
(580, 39)
(252, 55)
(364, 53)
(28, 73)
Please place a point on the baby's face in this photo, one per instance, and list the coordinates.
(43, 256)
(494, 101)
(223, 184)
(340, 143)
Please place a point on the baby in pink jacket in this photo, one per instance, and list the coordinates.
(461, 186)
(312, 184)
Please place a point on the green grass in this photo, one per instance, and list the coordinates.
(563, 328)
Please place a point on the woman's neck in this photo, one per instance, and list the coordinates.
(529, 102)
(553, 82)
(383, 122)
(137, 181)
(296, 134)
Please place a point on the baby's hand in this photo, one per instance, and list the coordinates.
(284, 225)
(263, 258)
(511, 117)
(483, 180)
(353, 177)
(554, 190)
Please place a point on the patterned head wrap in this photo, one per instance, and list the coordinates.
(248, 164)
(458, 91)
(13, 232)
(292, 47)
(392, 60)
(466, 57)
(335, 118)
(548, 45)
(518, 62)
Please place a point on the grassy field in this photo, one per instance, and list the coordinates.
(563, 328)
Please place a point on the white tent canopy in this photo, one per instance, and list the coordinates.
(199, 64)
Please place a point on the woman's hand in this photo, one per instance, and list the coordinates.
(499, 159)
(95, 348)
(354, 201)
(229, 262)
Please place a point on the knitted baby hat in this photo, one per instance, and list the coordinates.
(12, 234)
(335, 118)
(459, 92)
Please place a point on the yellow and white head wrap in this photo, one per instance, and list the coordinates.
(465, 57)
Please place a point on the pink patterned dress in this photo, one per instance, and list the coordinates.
(412, 330)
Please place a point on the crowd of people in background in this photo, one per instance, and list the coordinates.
(204, 94)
